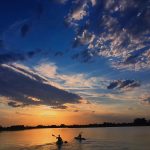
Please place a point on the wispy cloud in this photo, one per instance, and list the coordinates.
(70, 81)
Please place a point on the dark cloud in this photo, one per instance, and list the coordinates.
(34, 52)
(25, 28)
(24, 90)
(136, 56)
(112, 85)
(13, 57)
(83, 56)
(123, 84)
(15, 104)
(60, 107)
(35, 76)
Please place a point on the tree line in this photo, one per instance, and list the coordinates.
(136, 122)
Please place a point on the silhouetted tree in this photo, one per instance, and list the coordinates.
(17, 127)
(62, 125)
(140, 121)
(1, 128)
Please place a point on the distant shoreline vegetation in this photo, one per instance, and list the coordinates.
(136, 122)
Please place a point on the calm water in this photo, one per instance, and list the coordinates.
(131, 138)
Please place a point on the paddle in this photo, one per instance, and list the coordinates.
(54, 135)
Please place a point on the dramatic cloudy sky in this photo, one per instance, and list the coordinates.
(74, 61)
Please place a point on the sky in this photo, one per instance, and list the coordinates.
(73, 61)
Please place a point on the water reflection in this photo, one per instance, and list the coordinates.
(97, 138)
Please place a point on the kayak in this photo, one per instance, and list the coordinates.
(59, 142)
(78, 138)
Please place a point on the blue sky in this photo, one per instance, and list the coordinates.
(63, 54)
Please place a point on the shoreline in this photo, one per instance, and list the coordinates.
(46, 127)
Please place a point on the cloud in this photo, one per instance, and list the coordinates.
(78, 12)
(22, 90)
(120, 28)
(82, 84)
(50, 73)
(123, 84)
(85, 38)
(48, 70)
(136, 60)
(10, 57)
(135, 56)
(93, 2)
(15, 104)
(145, 99)
(60, 107)
(85, 56)
(26, 71)
(70, 80)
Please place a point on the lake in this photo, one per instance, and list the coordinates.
(115, 138)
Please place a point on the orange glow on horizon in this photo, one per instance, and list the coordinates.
(75, 114)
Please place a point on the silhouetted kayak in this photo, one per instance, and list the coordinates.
(59, 142)
(80, 139)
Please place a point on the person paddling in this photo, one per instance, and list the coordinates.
(59, 139)
(80, 135)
